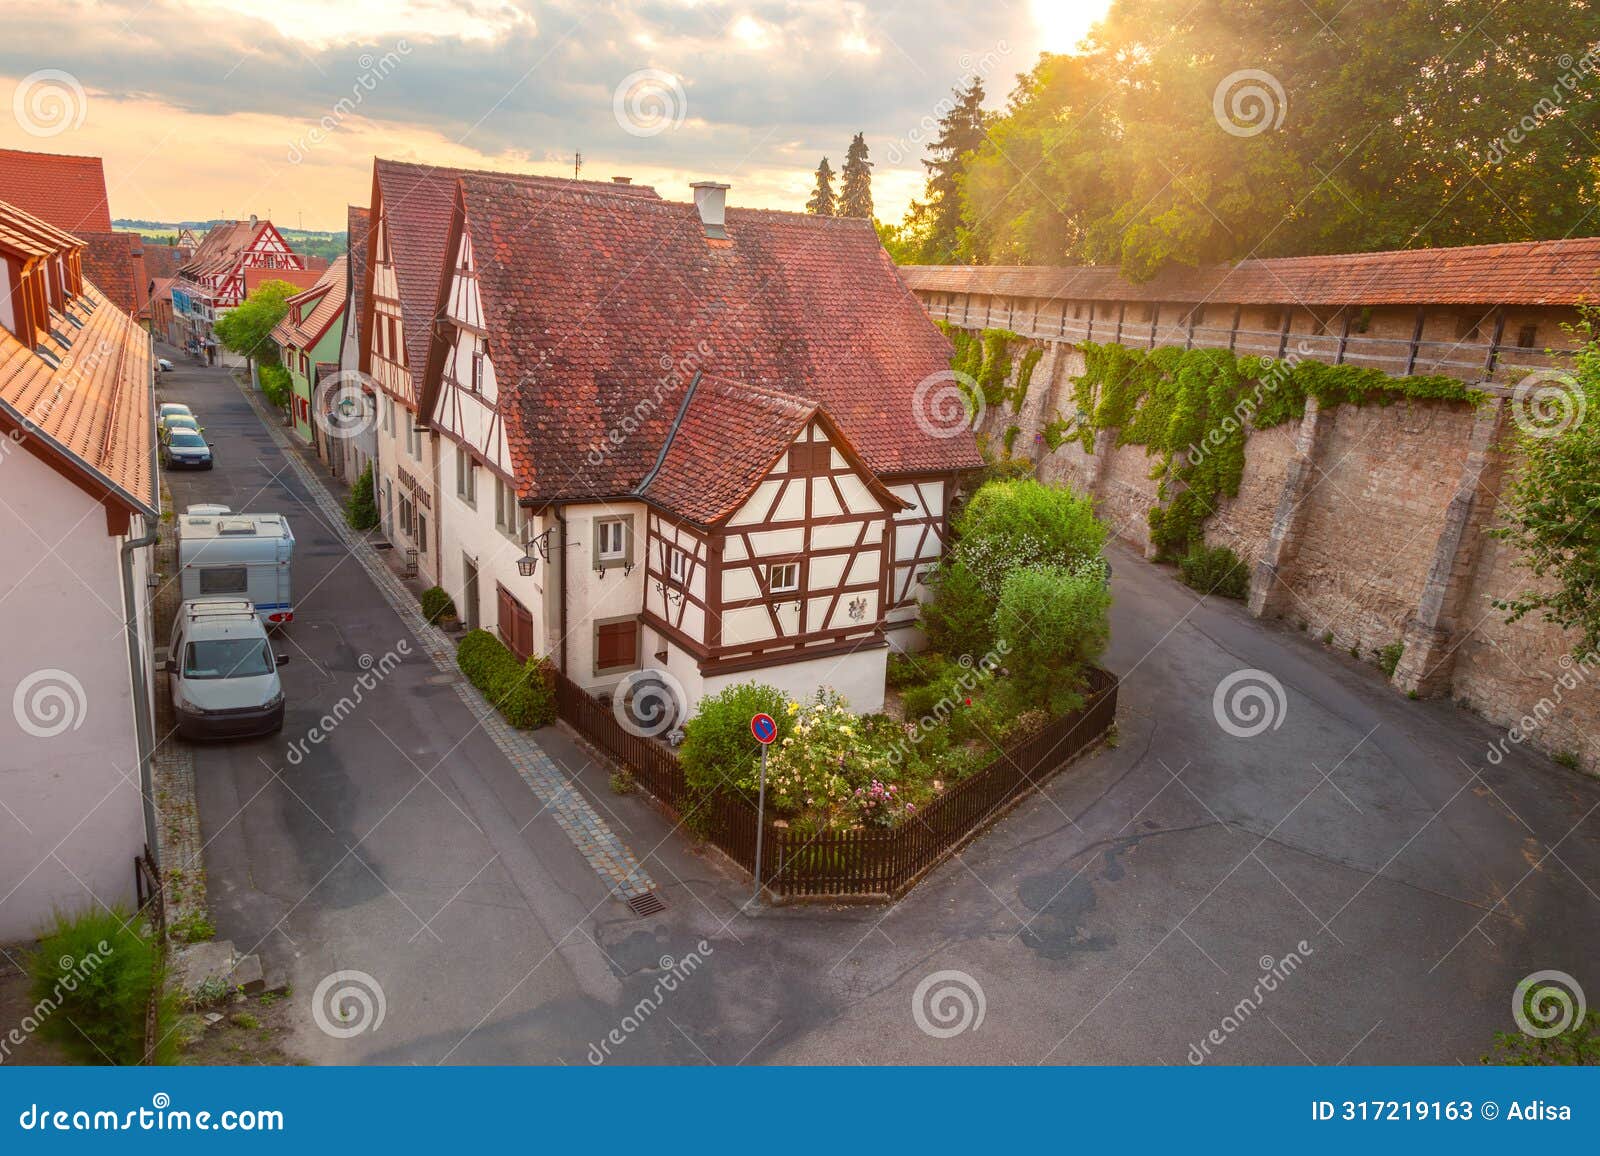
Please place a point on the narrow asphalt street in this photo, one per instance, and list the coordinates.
(1119, 917)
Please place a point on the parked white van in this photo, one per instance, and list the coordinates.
(224, 675)
(239, 556)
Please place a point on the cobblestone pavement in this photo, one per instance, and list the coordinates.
(178, 849)
(615, 863)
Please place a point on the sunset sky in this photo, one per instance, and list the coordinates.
(222, 108)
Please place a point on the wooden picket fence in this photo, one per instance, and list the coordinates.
(863, 864)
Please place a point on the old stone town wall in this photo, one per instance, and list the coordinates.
(1368, 523)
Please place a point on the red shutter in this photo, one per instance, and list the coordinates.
(616, 644)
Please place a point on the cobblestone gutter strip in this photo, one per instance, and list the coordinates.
(610, 857)
(183, 876)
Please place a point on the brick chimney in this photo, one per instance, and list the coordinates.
(622, 180)
(711, 199)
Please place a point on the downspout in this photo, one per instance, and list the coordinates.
(561, 589)
(143, 697)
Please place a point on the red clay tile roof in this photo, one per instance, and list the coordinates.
(220, 248)
(1565, 272)
(417, 202)
(67, 191)
(313, 311)
(592, 299)
(115, 263)
(93, 410)
(161, 259)
(302, 279)
(726, 438)
(356, 222)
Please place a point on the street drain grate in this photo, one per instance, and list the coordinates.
(647, 904)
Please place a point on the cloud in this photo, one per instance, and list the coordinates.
(770, 84)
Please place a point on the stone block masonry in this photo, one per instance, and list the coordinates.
(1370, 524)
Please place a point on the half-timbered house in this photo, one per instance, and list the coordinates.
(213, 281)
(672, 436)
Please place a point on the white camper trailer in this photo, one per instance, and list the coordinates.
(244, 555)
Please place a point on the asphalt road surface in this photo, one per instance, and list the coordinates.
(1361, 853)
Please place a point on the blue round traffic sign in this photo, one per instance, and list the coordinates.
(764, 728)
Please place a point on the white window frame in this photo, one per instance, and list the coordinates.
(678, 560)
(776, 568)
(606, 528)
(466, 477)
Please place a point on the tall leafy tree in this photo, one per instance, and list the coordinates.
(823, 202)
(855, 192)
(1189, 132)
(247, 327)
(936, 220)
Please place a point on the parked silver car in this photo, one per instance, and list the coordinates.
(223, 672)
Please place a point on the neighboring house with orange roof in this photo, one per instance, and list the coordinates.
(80, 509)
(309, 335)
(69, 192)
(213, 281)
(657, 440)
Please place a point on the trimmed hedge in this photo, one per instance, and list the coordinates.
(525, 693)
(436, 603)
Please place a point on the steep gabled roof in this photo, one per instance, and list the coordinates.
(83, 405)
(312, 312)
(219, 250)
(725, 439)
(596, 303)
(115, 263)
(1550, 273)
(417, 202)
(67, 191)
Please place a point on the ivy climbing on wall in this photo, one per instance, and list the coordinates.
(984, 357)
(1192, 409)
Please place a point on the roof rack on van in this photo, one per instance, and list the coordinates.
(213, 606)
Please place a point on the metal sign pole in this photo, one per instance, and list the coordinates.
(761, 821)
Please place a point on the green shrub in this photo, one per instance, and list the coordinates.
(92, 978)
(1215, 570)
(718, 748)
(437, 604)
(524, 693)
(196, 927)
(361, 507)
(275, 384)
(906, 670)
(1389, 657)
(1578, 1046)
(1024, 522)
(959, 617)
(1051, 621)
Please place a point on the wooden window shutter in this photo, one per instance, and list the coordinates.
(616, 645)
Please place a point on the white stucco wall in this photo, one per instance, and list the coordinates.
(71, 811)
